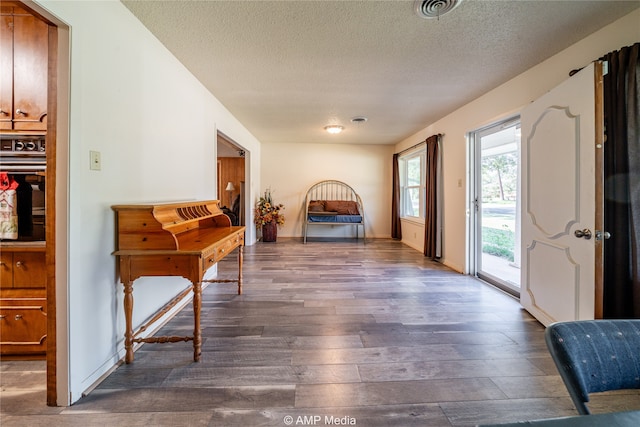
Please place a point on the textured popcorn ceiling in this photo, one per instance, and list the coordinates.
(286, 69)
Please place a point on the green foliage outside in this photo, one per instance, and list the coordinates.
(499, 185)
(498, 242)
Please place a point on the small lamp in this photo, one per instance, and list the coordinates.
(230, 188)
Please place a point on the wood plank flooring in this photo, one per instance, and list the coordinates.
(372, 334)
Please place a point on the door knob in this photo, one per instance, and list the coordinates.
(602, 235)
(586, 233)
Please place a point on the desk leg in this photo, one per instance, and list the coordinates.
(240, 260)
(197, 334)
(128, 311)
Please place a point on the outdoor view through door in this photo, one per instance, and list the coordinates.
(497, 204)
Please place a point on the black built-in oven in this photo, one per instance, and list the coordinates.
(24, 159)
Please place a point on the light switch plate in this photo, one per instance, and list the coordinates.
(95, 162)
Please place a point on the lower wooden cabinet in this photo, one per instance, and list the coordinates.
(23, 325)
(23, 302)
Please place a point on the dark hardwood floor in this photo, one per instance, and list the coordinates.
(375, 335)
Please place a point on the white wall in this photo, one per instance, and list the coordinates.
(504, 101)
(291, 169)
(155, 127)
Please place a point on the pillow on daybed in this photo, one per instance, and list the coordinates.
(316, 206)
(342, 207)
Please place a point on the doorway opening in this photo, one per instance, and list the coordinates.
(495, 202)
(231, 178)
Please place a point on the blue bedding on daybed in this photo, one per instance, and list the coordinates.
(356, 219)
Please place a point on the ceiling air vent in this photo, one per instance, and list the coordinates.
(434, 8)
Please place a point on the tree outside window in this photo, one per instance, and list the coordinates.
(499, 177)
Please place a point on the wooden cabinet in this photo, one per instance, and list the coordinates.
(23, 70)
(24, 58)
(23, 317)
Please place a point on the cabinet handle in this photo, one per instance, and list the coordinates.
(18, 316)
(19, 264)
(19, 111)
(2, 316)
(4, 113)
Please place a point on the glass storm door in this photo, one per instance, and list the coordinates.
(497, 204)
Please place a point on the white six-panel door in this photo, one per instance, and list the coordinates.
(559, 201)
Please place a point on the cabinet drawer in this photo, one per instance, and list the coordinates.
(208, 262)
(23, 326)
(22, 270)
(228, 245)
(224, 248)
(29, 270)
(221, 250)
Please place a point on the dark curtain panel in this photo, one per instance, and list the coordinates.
(622, 184)
(431, 234)
(396, 229)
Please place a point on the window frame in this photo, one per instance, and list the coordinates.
(405, 188)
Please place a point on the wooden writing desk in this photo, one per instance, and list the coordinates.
(177, 239)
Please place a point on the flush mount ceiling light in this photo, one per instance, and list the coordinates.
(334, 128)
(434, 8)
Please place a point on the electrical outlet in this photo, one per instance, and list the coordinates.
(95, 162)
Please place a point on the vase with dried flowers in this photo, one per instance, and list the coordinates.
(268, 216)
